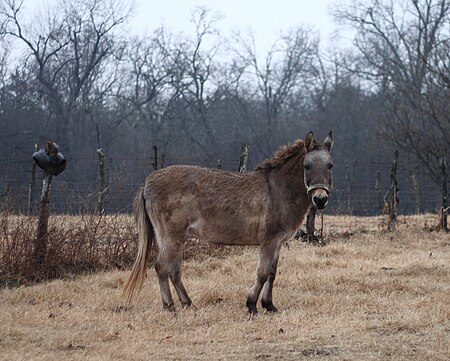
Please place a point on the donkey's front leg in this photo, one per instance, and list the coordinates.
(266, 298)
(266, 259)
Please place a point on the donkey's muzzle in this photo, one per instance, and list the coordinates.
(320, 200)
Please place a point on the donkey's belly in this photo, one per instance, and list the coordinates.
(231, 241)
(228, 231)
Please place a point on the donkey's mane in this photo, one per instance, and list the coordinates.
(283, 154)
(286, 152)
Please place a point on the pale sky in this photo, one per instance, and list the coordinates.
(266, 18)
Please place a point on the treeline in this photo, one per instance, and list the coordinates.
(72, 74)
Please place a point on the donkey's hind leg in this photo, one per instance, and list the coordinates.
(162, 270)
(175, 277)
(168, 264)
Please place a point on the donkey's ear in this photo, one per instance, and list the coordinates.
(328, 142)
(310, 141)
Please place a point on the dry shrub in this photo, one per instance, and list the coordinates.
(76, 244)
(16, 245)
(88, 243)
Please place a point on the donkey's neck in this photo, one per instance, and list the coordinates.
(288, 190)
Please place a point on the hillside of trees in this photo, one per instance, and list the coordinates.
(73, 74)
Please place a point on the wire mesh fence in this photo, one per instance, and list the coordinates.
(360, 189)
(89, 240)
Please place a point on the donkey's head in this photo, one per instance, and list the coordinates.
(317, 169)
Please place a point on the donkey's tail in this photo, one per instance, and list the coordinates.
(145, 234)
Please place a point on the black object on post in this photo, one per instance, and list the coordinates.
(50, 160)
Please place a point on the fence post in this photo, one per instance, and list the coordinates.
(219, 163)
(40, 247)
(32, 184)
(155, 158)
(416, 191)
(163, 161)
(349, 199)
(393, 205)
(378, 189)
(310, 222)
(243, 159)
(444, 210)
(102, 188)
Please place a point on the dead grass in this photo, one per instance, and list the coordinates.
(366, 295)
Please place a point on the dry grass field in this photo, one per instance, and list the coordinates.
(366, 295)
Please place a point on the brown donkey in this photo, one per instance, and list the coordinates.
(264, 207)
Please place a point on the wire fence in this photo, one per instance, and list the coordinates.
(359, 188)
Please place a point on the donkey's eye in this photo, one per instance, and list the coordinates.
(330, 165)
(307, 166)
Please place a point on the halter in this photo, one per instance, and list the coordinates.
(325, 187)
(317, 186)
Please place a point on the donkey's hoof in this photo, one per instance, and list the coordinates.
(169, 307)
(269, 306)
(186, 304)
(273, 309)
(251, 307)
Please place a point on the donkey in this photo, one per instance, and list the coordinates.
(264, 207)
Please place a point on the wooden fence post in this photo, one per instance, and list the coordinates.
(416, 191)
(102, 188)
(445, 207)
(163, 160)
(40, 247)
(310, 222)
(155, 158)
(32, 184)
(378, 190)
(243, 159)
(393, 205)
(384, 206)
(349, 195)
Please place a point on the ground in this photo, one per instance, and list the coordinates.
(366, 295)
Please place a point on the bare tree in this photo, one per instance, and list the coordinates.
(404, 54)
(151, 70)
(69, 50)
(173, 82)
(196, 83)
(286, 66)
(4, 53)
